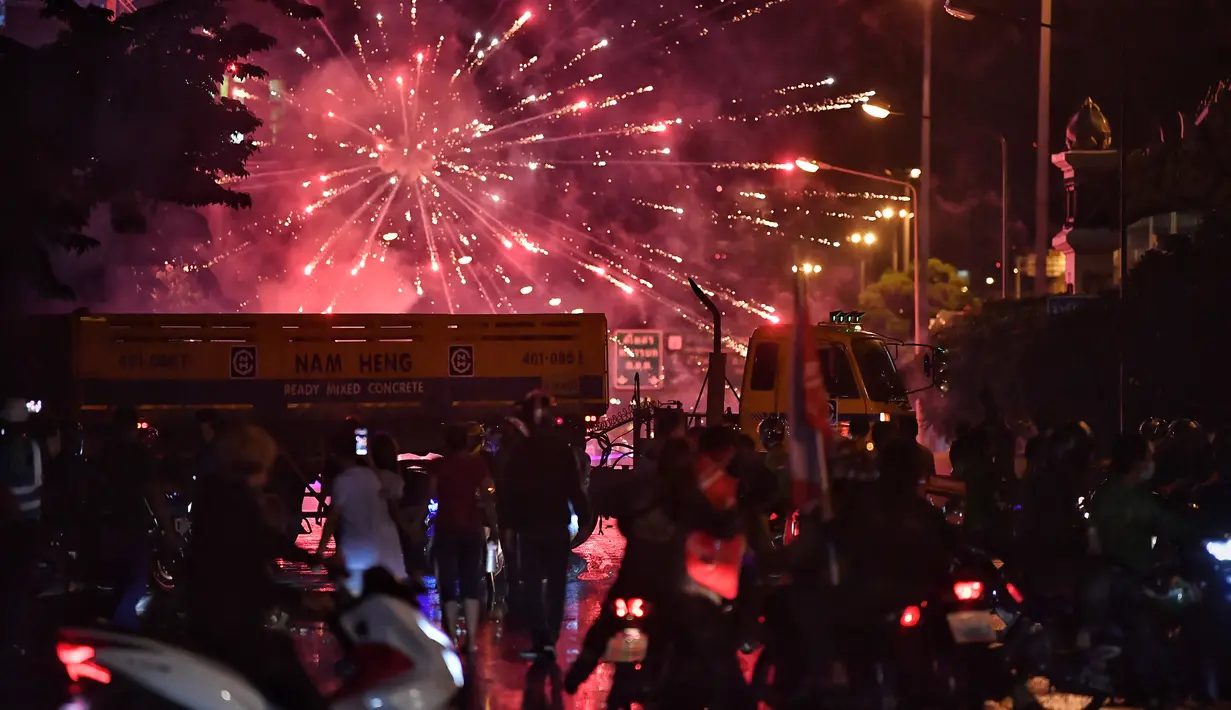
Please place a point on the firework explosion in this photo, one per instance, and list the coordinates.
(427, 177)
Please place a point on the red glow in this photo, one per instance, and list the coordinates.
(1017, 596)
(968, 591)
(559, 421)
(374, 664)
(910, 617)
(79, 663)
(631, 609)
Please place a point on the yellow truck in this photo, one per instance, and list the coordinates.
(861, 377)
(416, 369)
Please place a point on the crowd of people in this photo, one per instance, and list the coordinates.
(692, 492)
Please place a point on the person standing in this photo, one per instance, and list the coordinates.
(461, 483)
(21, 476)
(359, 513)
(228, 588)
(131, 490)
(543, 481)
(393, 489)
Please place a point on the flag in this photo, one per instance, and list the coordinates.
(808, 418)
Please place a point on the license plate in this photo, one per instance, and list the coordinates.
(183, 525)
(973, 626)
(627, 646)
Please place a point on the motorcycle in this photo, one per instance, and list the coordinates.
(943, 651)
(397, 659)
(626, 651)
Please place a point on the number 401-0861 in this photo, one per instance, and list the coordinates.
(553, 358)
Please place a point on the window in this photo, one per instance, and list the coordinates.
(880, 374)
(764, 367)
(839, 377)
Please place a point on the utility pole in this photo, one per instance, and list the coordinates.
(1004, 219)
(923, 228)
(1042, 166)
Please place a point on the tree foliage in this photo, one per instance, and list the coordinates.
(1068, 365)
(120, 115)
(889, 303)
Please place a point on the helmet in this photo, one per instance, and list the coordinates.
(1182, 427)
(476, 437)
(1153, 428)
(536, 407)
(772, 431)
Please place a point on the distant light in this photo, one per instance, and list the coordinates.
(465, 260)
(575, 311)
(808, 166)
(902, 214)
(554, 302)
(915, 173)
(527, 290)
(990, 280)
(495, 198)
(390, 236)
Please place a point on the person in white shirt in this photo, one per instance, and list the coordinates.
(359, 516)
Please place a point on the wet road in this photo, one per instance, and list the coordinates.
(499, 678)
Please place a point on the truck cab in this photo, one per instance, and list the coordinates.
(861, 377)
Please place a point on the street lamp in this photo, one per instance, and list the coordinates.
(1042, 239)
(876, 111)
(865, 240)
(1004, 196)
(921, 261)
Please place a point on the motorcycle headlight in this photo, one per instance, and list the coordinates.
(1219, 549)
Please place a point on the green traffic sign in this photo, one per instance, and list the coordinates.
(638, 352)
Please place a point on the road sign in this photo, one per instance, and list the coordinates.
(1060, 305)
(638, 352)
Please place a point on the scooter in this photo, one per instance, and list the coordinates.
(398, 659)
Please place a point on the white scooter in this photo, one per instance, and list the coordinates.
(402, 662)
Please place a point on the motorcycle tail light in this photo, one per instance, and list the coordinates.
(968, 591)
(630, 609)
(910, 617)
(79, 663)
(1013, 592)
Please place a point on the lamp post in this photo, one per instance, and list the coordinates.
(1042, 168)
(1004, 219)
(921, 302)
(866, 240)
(881, 112)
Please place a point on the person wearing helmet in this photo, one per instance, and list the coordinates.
(1185, 459)
(540, 483)
(228, 590)
(1153, 429)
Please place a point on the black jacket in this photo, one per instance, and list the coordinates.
(540, 480)
(229, 558)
